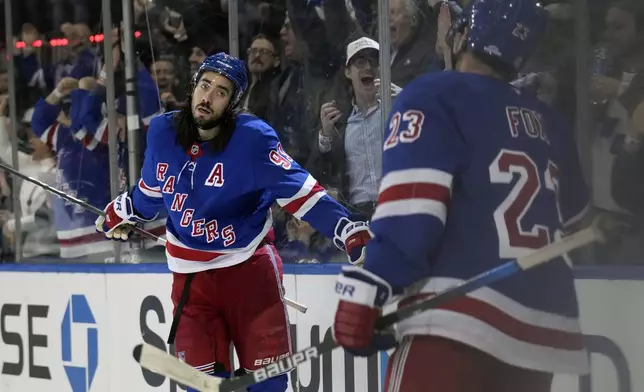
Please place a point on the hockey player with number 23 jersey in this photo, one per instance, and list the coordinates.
(474, 174)
(218, 171)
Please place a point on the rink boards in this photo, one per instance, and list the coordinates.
(72, 328)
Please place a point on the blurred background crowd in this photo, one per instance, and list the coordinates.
(315, 77)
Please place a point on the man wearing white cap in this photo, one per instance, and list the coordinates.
(351, 135)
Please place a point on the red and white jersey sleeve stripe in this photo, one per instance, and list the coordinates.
(101, 135)
(50, 136)
(151, 191)
(293, 188)
(305, 199)
(414, 192)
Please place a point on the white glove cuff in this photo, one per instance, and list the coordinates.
(123, 207)
(368, 287)
(353, 228)
(356, 291)
(125, 210)
(346, 228)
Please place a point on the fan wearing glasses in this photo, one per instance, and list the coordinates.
(351, 134)
(263, 63)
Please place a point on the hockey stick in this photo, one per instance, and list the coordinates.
(159, 240)
(79, 202)
(156, 360)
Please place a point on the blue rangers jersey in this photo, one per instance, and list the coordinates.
(81, 173)
(219, 203)
(90, 123)
(92, 120)
(474, 175)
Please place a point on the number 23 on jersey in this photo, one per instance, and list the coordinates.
(414, 120)
(514, 240)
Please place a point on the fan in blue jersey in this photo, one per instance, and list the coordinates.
(217, 171)
(82, 171)
(474, 174)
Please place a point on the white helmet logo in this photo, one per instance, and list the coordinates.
(224, 64)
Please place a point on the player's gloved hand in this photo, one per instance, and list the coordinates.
(352, 237)
(362, 296)
(119, 219)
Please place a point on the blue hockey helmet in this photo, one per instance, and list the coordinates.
(504, 31)
(229, 66)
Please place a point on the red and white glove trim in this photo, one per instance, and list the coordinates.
(353, 228)
(362, 296)
(356, 291)
(345, 228)
(352, 237)
(124, 209)
(359, 286)
(119, 218)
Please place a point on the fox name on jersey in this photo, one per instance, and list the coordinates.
(219, 203)
(481, 185)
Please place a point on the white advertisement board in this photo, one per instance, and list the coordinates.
(53, 333)
(75, 332)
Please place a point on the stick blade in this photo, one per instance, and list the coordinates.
(158, 361)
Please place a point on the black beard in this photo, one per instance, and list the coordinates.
(207, 124)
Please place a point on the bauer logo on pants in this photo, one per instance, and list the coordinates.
(79, 328)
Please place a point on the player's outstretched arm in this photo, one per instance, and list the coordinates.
(292, 187)
(297, 192)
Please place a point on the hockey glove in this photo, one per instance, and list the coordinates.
(362, 296)
(352, 237)
(119, 219)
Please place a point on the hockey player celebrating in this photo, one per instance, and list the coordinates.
(474, 174)
(217, 171)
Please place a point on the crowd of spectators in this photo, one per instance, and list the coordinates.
(314, 76)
